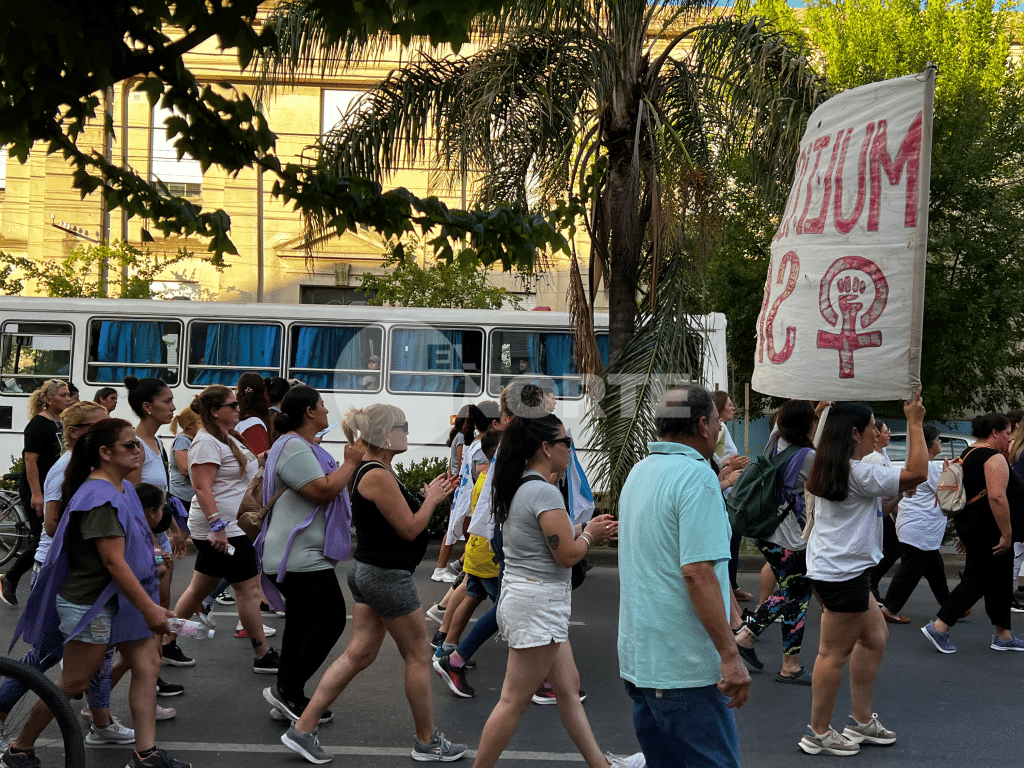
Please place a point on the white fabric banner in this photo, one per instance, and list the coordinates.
(844, 298)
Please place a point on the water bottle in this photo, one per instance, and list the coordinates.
(187, 628)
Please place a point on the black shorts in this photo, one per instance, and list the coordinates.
(850, 596)
(236, 568)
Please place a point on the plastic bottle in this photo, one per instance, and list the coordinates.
(188, 628)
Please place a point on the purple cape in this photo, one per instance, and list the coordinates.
(40, 614)
(338, 525)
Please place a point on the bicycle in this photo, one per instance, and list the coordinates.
(14, 526)
(61, 743)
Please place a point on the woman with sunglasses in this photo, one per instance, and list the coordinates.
(100, 581)
(220, 467)
(391, 528)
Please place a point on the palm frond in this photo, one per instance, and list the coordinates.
(665, 349)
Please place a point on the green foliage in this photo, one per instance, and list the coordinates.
(17, 467)
(58, 55)
(457, 284)
(423, 472)
(975, 280)
(130, 272)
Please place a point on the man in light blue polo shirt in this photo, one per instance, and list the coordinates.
(677, 653)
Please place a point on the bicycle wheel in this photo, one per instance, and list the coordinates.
(61, 743)
(14, 531)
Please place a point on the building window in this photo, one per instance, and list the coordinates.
(33, 353)
(329, 294)
(184, 177)
(334, 104)
(3, 168)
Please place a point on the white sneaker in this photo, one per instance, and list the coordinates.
(165, 713)
(443, 575)
(115, 733)
(831, 743)
(633, 761)
(436, 613)
(267, 631)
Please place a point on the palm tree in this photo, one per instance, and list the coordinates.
(640, 111)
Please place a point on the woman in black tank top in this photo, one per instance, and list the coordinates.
(390, 525)
(984, 530)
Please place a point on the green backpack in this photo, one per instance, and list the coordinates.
(753, 504)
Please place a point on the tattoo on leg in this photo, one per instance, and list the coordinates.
(256, 644)
(553, 541)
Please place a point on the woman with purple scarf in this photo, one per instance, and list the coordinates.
(99, 585)
(307, 531)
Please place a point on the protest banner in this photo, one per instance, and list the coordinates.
(843, 303)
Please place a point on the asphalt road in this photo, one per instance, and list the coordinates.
(963, 709)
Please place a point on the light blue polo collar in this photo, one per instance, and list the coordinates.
(674, 448)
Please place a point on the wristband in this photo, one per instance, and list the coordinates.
(217, 526)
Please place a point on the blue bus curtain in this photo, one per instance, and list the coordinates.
(427, 350)
(331, 349)
(128, 342)
(252, 347)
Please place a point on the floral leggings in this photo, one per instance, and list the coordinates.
(789, 601)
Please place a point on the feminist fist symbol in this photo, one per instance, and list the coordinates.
(850, 291)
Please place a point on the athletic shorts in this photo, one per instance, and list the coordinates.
(236, 568)
(533, 613)
(388, 591)
(849, 596)
(96, 632)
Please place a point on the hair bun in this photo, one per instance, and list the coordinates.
(130, 382)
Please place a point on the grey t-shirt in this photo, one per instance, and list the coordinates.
(296, 467)
(526, 550)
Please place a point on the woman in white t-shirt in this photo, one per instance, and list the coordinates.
(844, 544)
(221, 467)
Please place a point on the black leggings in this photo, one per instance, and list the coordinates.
(891, 552)
(313, 622)
(915, 563)
(985, 575)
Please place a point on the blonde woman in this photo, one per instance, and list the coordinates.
(42, 449)
(220, 467)
(391, 526)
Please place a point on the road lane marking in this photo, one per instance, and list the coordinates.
(276, 749)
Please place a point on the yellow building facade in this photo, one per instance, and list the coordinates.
(44, 218)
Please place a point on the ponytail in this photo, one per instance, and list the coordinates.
(205, 403)
(85, 456)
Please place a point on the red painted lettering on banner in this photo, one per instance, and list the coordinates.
(816, 225)
(819, 146)
(909, 155)
(769, 331)
(844, 224)
(793, 203)
(851, 289)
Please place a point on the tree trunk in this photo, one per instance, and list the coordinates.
(626, 242)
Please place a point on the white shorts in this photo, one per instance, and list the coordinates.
(533, 613)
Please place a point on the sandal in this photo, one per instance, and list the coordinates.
(803, 677)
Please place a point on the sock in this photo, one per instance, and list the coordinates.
(145, 753)
(15, 751)
(448, 648)
(456, 660)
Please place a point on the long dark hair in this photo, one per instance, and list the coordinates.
(794, 419)
(463, 424)
(251, 392)
(293, 408)
(205, 403)
(830, 475)
(520, 441)
(85, 456)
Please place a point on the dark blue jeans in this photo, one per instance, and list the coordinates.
(685, 727)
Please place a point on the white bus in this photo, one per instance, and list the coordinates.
(432, 361)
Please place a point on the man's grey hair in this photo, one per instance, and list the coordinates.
(681, 409)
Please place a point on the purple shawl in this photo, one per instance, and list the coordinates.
(337, 514)
(40, 616)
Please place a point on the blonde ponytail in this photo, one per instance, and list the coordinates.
(372, 423)
(37, 400)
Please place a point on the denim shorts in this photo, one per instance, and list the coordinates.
(96, 632)
(533, 613)
(480, 588)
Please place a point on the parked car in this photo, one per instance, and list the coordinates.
(952, 447)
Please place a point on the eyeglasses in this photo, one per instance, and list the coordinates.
(403, 427)
(566, 441)
(233, 406)
(131, 445)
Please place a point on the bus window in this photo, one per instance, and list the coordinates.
(547, 359)
(33, 353)
(218, 353)
(142, 348)
(340, 358)
(436, 360)
(603, 346)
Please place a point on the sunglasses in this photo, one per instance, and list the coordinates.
(403, 427)
(131, 445)
(233, 406)
(566, 441)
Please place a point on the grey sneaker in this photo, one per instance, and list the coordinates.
(872, 732)
(1013, 644)
(115, 733)
(940, 640)
(306, 744)
(830, 743)
(437, 750)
